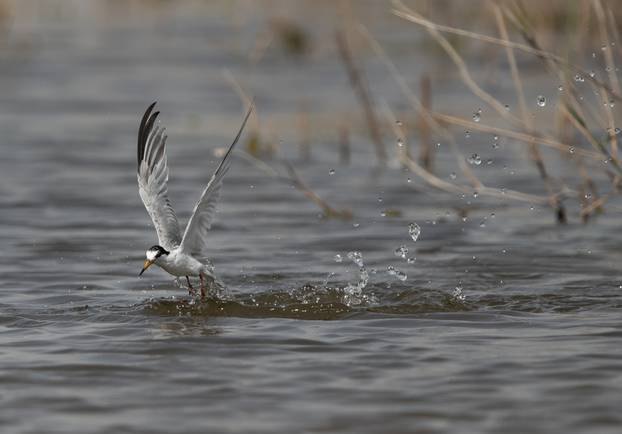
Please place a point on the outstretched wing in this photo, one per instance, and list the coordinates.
(195, 236)
(153, 179)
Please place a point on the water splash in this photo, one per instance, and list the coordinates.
(477, 115)
(356, 257)
(458, 295)
(414, 231)
(399, 274)
(353, 292)
(401, 252)
(475, 160)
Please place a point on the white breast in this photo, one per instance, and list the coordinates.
(179, 264)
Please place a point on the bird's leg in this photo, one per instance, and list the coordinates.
(202, 286)
(191, 291)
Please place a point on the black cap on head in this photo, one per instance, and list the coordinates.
(159, 250)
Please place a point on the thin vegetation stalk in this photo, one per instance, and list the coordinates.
(419, 108)
(611, 73)
(426, 155)
(409, 15)
(361, 91)
(534, 151)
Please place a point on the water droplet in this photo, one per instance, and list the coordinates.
(467, 134)
(392, 271)
(571, 149)
(414, 231)
(507, 107)
(398, 123)
(409, 180)
(400, 142)
(452, 175)
(477, 115)
(458, 294)
(356, 257)
(579, 78)
(612, 103)
(338, 258)
(354, 291)
(401, 252)
(541, 100)
(356, 225)
(475, 194)
(411, 260)
(474, 159)
(560, 88)
(331, 172)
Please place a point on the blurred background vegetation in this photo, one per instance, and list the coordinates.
(426, 87)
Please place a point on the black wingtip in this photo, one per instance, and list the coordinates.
(146, 124)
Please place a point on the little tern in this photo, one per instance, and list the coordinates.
(178, 255)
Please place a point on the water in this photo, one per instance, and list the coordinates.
(303, 340)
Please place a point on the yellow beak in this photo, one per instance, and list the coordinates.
(146, 265)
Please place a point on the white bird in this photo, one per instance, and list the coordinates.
(178, 255)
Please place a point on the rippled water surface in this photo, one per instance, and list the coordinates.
(504, 322)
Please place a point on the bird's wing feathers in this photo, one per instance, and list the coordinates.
(195, 236)
(153, 179)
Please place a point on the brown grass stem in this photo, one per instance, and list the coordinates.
(360, 89)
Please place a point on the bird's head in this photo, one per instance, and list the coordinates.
(152, 255)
